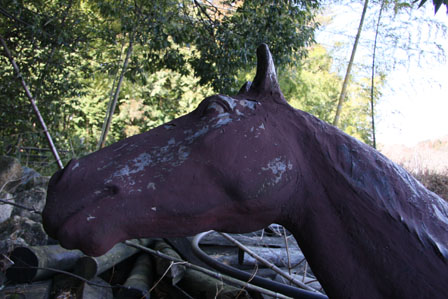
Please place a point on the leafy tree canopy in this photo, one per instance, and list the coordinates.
(437, 4)
(71, 52)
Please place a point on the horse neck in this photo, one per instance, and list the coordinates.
(362, 221)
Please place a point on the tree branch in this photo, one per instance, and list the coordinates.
(208, 272)
(33, 104)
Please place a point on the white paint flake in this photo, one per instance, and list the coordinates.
(90, 217)
(154, 209)
(278, 167)
(75, 166)
(223, 119)
(120, 147)
(151, 185)
(248, 104)
(229, 100)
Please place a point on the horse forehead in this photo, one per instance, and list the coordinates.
(169, 144)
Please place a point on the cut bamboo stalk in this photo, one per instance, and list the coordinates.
(216, 275)
(176, 272)
(88, 267)
(29, 262)
(140, 279)
(94, 290)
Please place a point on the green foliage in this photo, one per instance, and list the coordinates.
(71, 52)
(46, 39)
(314, 88)
(287, 27)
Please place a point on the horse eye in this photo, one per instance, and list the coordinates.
(214, 108)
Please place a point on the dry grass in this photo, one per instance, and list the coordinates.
(436, 182)
(427, 161)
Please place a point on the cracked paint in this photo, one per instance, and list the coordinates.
(278, 167)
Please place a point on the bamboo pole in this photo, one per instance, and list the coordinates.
(140, 279)
(349, 67)
(216, 275)
(89, 266)
(113, 104)
(33, 104)
(31, 262)
(372, 84)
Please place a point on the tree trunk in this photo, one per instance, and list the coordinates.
(349, 67)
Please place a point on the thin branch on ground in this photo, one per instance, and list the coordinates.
(216, 275)
(34, 210)
(287, 250)
(269, 265)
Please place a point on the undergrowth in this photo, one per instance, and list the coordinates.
(434, 181)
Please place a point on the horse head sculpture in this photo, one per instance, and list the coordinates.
(237, 164)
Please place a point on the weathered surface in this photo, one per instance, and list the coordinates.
(5, 209)
(10, 173)
(237, 164)
(19, 226)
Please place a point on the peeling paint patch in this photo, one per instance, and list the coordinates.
(249, 104)
(154, 209)
(90, 217)
(229, 100)
(105, 166)
(169, 126)
(278, 167)
(75, 166)
(197, 134)
(151, 185)
(223, 119)
(120, 147)
(183, 152)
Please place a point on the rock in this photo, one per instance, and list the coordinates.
(31, 178)
(10, 173)
(21, 231)
(5, 209)
(32, 198)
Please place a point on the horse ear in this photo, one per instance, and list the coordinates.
(265, 82)
(245, 88)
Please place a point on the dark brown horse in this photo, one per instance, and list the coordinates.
(237, 164)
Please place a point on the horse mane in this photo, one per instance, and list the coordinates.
(385, 185)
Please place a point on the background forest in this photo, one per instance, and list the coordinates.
(140, 63)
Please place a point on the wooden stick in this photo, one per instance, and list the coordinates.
(208, 272)
(268, 264)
